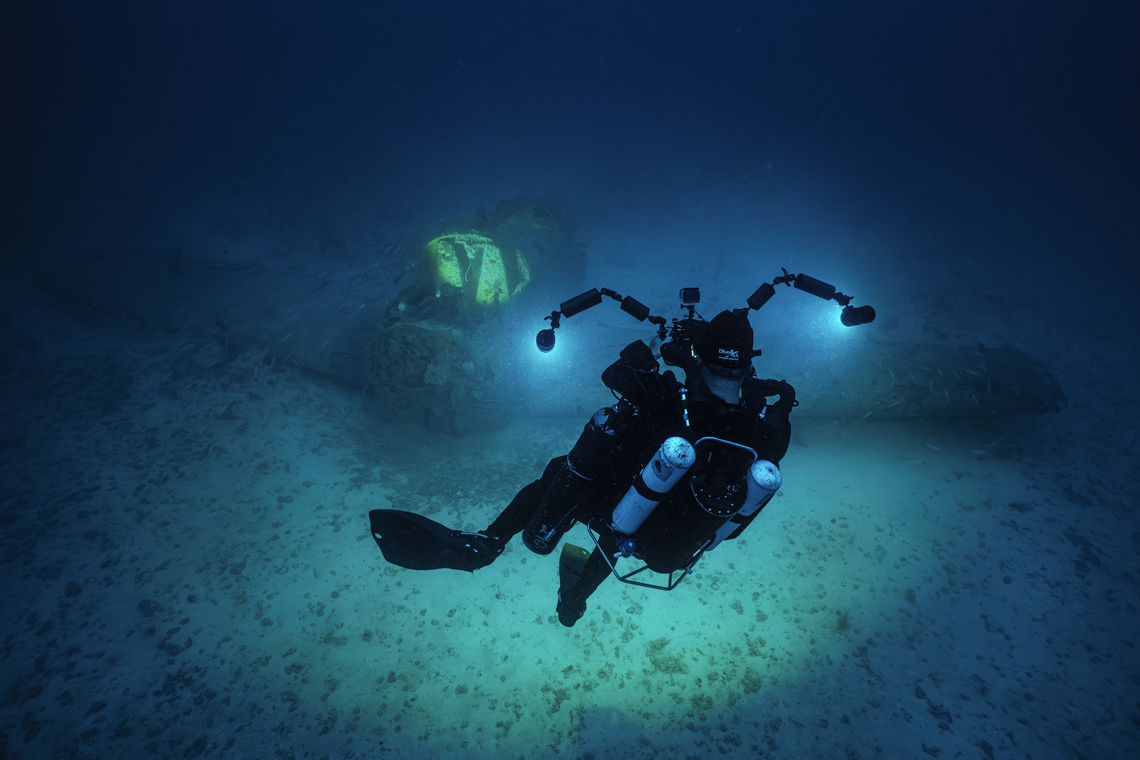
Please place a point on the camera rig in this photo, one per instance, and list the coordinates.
(680, 329)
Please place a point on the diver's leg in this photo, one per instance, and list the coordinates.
(556, 512)
(514, 518)
(487, 545)
(580, 485)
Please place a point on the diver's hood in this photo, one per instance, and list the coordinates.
(727, 341)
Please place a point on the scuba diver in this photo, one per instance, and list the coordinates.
(702, 457)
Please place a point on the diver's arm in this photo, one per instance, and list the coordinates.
(635, 376)
(776, 415)
(773, 430)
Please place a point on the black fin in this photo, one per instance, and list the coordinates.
(570, 564)
(417, 543)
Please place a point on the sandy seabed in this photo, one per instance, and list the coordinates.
(189, 573)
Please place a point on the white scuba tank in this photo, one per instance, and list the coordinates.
(764, 479)
(672, 460)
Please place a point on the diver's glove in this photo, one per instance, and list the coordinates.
(776, 415)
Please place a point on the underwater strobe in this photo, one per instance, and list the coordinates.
(578, 304)
(851, 316)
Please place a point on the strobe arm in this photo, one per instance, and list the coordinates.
(851, 315)
(587, 300)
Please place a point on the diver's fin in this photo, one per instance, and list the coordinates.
(417, 543)
(570, 564)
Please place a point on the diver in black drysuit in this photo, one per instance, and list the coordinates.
(721, 397)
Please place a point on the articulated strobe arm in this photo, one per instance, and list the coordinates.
(851, 315)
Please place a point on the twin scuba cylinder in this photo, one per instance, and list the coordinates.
(696, 517)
